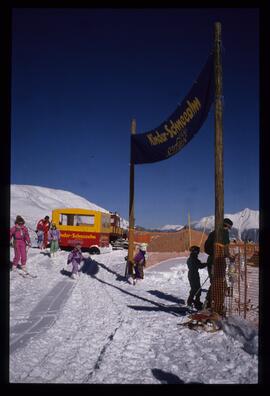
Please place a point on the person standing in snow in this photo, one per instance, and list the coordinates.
(139, 262)
(42, 230)
(75, 257)
(209, 249)
(194, 264)
(53, 238)
(39, 232)
(20, 235)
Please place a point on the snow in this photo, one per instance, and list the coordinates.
(245, 224)
(101, 329)
(243, 221)
(170, 227)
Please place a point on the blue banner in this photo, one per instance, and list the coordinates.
(172, 135)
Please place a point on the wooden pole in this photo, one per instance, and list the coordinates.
(130, 263)
(189, 231)
(245, 287)
(218, 291)
(219, 175)
(203, 231)
(239, 280)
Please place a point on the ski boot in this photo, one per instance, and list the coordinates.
(198, 305)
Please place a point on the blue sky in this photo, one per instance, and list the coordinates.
(80, 75)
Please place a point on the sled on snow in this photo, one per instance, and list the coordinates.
(203, 320)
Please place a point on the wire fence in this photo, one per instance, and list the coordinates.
(242, 278)
(241, 286)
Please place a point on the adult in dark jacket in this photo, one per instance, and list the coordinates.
(209, 245)
(209, 249)
(194, 264)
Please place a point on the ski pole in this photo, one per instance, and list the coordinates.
(201, 286)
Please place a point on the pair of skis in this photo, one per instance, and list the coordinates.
(26, 274)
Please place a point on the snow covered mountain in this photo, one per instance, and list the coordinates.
(34, 203)
(171, 227)
(245, 225)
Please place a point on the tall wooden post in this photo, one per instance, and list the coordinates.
(219, 174)
(218, 289)
(203, 232)
(246, 286)
(189, 230)
(130, 263)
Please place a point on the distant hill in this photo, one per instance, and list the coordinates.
(34, 202)
(166, 228)
(245, 224)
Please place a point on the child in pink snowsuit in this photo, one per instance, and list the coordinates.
(21, 238)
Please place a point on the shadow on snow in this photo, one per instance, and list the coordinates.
(168, 378)
(173, 310)
(119, 277)
(166, 296)
(89, 267)
(178, 311)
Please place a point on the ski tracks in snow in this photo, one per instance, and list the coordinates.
(109, 331)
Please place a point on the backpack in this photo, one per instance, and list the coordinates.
(209, 244)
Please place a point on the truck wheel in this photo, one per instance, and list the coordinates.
(94, 250)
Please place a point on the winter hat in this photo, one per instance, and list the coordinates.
(228, 222)
(19, 219)
(143, 247)
(194, 249)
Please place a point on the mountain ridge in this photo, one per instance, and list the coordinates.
(35, 202)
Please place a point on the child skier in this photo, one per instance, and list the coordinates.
(75, 258)
(53, 237)
(42, 230)
(194, 264)
(139, 263)
(19, 234)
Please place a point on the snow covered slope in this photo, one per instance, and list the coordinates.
(245, 224)
(100, 329)
(33, 203)
(171, 227)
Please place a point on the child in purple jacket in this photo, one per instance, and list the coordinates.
(139, 262)
(19, 234)
(75, 258)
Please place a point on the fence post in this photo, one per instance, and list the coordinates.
(239, 281)
(245, 283)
